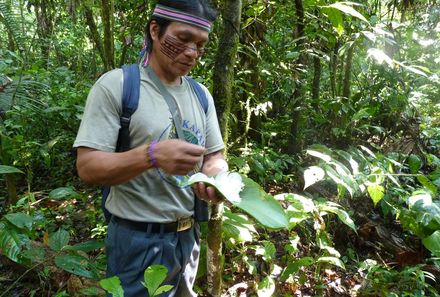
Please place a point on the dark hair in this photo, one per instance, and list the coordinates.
(200, 8)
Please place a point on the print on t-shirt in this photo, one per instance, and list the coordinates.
(192, 134)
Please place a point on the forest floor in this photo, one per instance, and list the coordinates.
(376, 240)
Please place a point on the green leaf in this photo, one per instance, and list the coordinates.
(294, 266)
(376, 192)
(87, 246)
(9, 170)
(11, 242)
(342, 214)
(59, 239)
(266, 287)
(21, 220)
(77, 265)
(332, 260)
(34, 254)
(63, 193)
(313, 175)
(262, 206)
(163, 289)
(432, 243)
(237, 228)
(348, 10)
(339, 179)
(335, 18)
(154, 276)
(252, 199)
(427, 184)
(113, 286)
(415, 163)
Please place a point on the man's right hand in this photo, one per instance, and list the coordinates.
(178, 157)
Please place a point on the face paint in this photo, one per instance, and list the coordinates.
(172, 47)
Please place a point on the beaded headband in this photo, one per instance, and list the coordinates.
(176, 15)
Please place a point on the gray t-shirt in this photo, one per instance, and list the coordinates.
(153, 196)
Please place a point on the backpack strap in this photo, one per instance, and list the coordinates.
(130, 102)
(200, 93)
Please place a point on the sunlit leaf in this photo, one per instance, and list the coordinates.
(294, 266)
(427, 184)
(313, 175)
(342, 6)
(154, 276)
(376, 192)
(266, 287)
(332, 260)
(252, 199)
(113, 286)
(432, 243)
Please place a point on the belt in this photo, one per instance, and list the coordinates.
(180, 225)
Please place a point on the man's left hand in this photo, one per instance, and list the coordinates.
(206, 193)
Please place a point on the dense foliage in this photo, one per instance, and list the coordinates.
(335, 112)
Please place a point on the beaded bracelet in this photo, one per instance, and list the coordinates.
(150, 153)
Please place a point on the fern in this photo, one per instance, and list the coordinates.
(27, 93)
(12, 24)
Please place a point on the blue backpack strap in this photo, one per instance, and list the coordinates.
(130, 102)
(200, 93)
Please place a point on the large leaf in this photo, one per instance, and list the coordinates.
(342, 214)
(266, 287)
(59, 239)
(63, 193)
(415, 163)
(9, 170)
(313, 175)
(87, 246)
(345, 8)
(237, 228)
(252, 199)
(332, 260)
(19, 219)
(432, 243)
(11, 242)
(77, 265)
(294, 266)
(113, 286)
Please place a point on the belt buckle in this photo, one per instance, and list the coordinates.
(184, 224)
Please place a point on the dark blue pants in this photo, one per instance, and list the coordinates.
(130, 252)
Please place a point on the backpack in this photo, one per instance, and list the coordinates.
(130, 102)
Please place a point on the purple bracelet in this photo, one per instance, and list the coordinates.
(151, 148)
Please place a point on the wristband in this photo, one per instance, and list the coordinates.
(150, 153)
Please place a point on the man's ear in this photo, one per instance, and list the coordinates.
(154, 30)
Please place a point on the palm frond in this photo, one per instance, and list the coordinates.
(26, 93)
(12, 24)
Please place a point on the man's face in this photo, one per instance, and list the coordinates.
(180, 47)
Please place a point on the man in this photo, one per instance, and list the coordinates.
(148, 198)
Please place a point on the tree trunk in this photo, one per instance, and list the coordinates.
(107, 20)
(294, 145)
(223, 78)
(333, 68)
(316, 81)
(346, 85)
(45, 22)
(94, 34)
